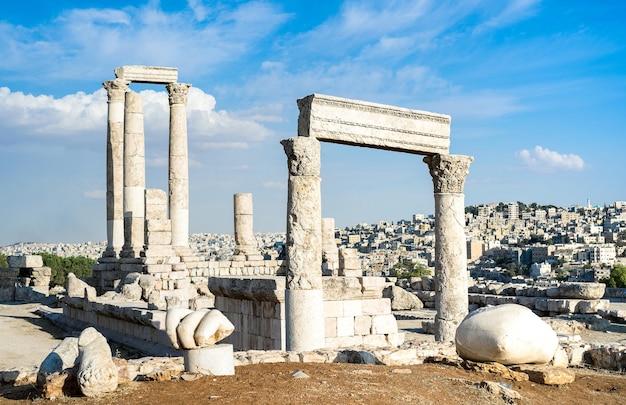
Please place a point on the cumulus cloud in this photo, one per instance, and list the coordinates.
(545, 159)
(81, 117)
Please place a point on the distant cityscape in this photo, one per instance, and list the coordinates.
(505, 242)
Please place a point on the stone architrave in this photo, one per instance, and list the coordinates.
(134, 176)
(352, 122)
(115, 165)
(245, 244)
(451, 301)
(178, 165)
(147, 74)
(303, 297)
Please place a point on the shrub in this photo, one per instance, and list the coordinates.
(62, 266)
(3, 260)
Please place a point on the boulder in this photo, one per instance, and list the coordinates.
(583, 291)
(76, 287)
(507, 334)
(97, 373)
(402, 299)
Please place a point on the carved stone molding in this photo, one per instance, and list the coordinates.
(448, 172)
(116, 89)
(178, 92)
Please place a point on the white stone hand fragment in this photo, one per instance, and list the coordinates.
(196, 329)
(172, 319)
(213, 328)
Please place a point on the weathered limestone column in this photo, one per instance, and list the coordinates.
(330, 251)
(178, 164)
(134, 176)
(115, 166)
(303, 297)
(245, 244)
(451, 301)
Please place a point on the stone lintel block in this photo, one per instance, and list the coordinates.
(352, 307)
(256, 259)
(179, 267)
(379, 126)
(158, 225)
(379, 306)
(147, 74)
(25, 261)
(238, 258)
(333, 309)
(384, 324)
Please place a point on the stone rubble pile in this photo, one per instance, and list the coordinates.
(26, 279)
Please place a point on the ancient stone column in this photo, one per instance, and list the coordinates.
(303, 297)
(330, 252)
(245, 244)
(178, 165)
(115, 166)
(134, 176)
(451, 301)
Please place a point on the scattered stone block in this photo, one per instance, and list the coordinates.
(402, 299)
(548, 375)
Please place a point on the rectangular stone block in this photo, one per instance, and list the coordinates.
(376, 307)
(333, 309)
(353, 122)
(345, 326)
(384, 324)
(330, 327)
(147, 74)
(362, 325)
(375, 340)
(25, 261)
(352, 308)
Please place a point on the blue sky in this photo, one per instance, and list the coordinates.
(536, 91)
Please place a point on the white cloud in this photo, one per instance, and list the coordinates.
(224, 145)
(95, 194)
(545, 159)
(81, 117)
(512, 12)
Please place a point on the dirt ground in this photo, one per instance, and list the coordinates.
(435, 383)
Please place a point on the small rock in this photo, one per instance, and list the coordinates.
(299, 374)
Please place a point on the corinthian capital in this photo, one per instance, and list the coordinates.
(448, 172)
(116, 89)
(178, 92)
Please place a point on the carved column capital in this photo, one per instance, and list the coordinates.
(116, 89)
(448, 172)
(178, 92)
(303, 155)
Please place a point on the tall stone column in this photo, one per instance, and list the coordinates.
(134, 176)
(115, 166)
(303, 297)
(245, 244)
(451, 301)
(178, 165)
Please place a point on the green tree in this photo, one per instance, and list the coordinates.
(62, 266)
(3, 260)
(408, 269)
(617, 277)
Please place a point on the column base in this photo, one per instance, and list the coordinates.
(211, 360)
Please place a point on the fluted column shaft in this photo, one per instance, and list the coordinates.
(245, 244)
(115, 166)
(178, 175)
(303, 297)
(451, 301)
